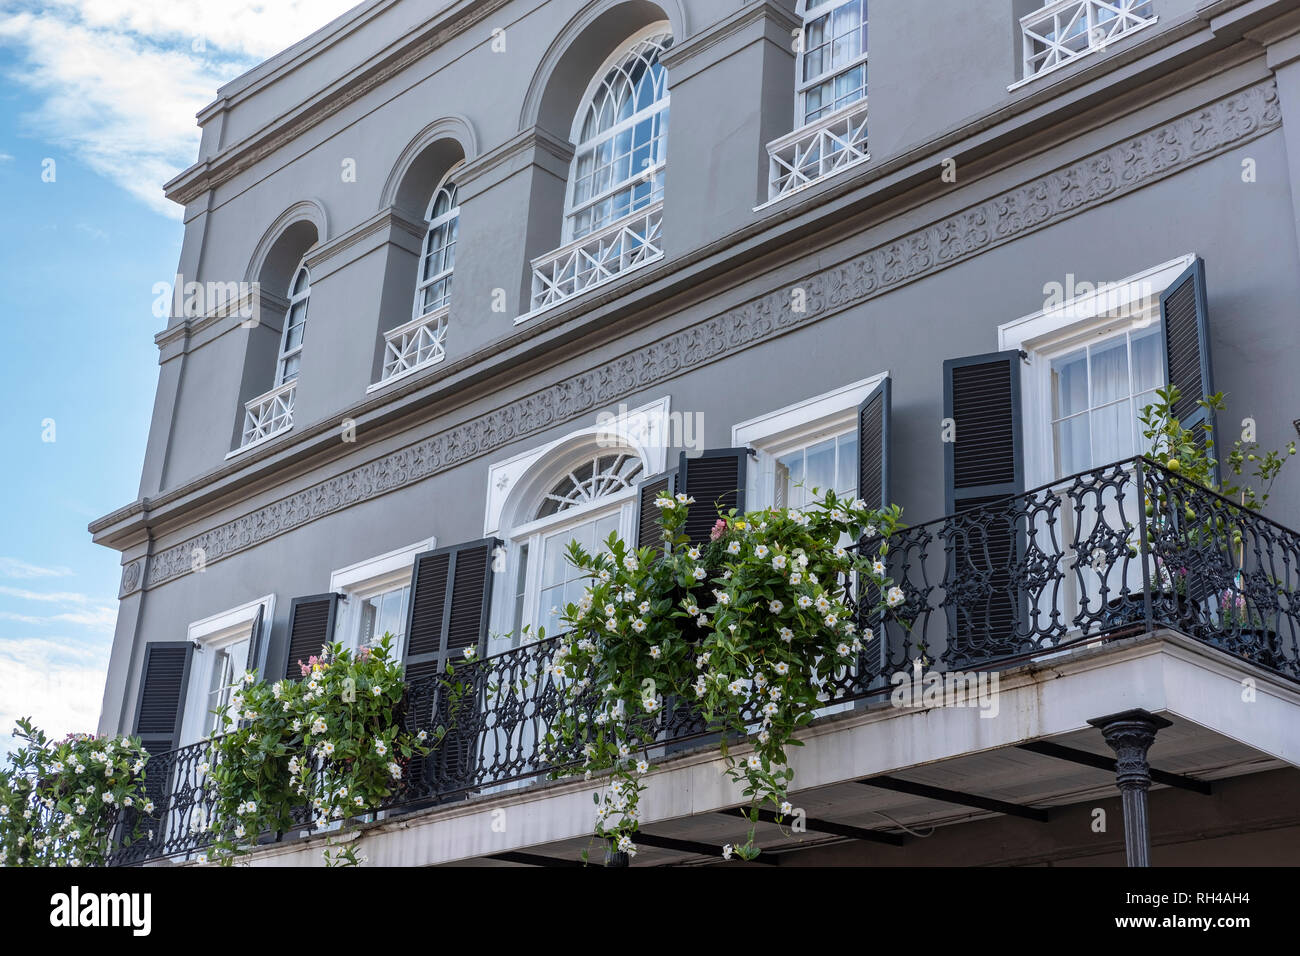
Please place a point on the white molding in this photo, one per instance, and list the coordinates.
(212, 633)
(767, 433)
(1074, 320)
(203, 630)
(372, 569)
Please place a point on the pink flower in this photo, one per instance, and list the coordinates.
(304, 668)
(719, 529)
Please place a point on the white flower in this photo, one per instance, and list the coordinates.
(838, 515)
(779, 562)
(471, 653)
(722, 597)
(796, 577)
(693, 554)
(80, 768)
(603, 575)
(148, 807)
(359, 800)
(774, 693)
(760, 680)
(831, 620)
(823, 605)
(754, 762)
(805, 601)
(638, 625)
(239, 830)
(684, 499)
(319, 726)
(692, 609)
(782, 668)
(702, 660)
(878, 568)
(843, 650)
(328, 748)
(776, 607)
(625, 845)
(726, 852)
(650, 704)
(700, 687)
(642, 766)
(249, 677)
(81, 808)
(733, 548)
(786, 808)
(787, 635)
(610, 610)
(623, 751)
(841, 552)
(643, 607)
(770, 709)
(630, 562)
(663, 502)
(895, 597)
(761, 551)
(422, 736)
(699, 574)
(381, 748)
(737, 686)
(654, 650)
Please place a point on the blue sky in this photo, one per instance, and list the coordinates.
(107, 90)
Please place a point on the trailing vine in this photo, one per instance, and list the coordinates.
(747, 629)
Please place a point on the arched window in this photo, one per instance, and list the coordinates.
(438, 257)
(621, 130)
(295, 323)
(585, 502)
(832, 62)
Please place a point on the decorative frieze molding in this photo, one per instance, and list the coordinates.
(1047, 200)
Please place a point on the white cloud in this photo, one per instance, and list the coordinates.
(6, 158)
(96, 616)
(57, 682)
(119, 81)
(15, 569)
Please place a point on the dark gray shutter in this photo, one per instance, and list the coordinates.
(451, 600)
(255, 642)
(873, 447)
(649, 534)
(716, 480)
(163, 681)
(311, 627)
(1184, 313)
(983, 467)
(451, 596)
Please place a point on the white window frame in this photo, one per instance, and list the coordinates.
(778, 432)
(517, 485)
(571, 208)
(446, 184)
(808, 11)
(286, 352)
(365, 579)
(208, 636)
(1050, 332)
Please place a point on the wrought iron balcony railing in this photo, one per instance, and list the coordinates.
(1120, 550)
(418, 343)
(269, 414)
(597, 258)
(1067, 29)
(818, 150)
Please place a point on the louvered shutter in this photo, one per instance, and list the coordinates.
(163, 683)
(451, 598)
(873, 447)
(1184, 313)
(649, 533)
(716, 480)
(983, 466)
(311, 627)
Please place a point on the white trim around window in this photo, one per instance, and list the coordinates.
(210, 636)
(370, 578)
(803, 423)
(1132, 301)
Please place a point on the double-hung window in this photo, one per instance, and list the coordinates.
(376, 595)
(832, 62)
(295, 324)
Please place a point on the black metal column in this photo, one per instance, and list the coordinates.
(1131, 734)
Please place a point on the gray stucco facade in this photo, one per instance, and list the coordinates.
(1177, 142)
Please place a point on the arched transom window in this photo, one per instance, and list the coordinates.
(591, 498)
(621, 130)
(832, 62)
(295, 324)
(438, 257)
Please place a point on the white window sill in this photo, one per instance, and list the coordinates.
(413, 370)
(255, 444)
(588, 290)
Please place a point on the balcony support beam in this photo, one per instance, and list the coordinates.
(953, 796)
(1130, 734)
(689, 846)
(533, 859)
(1075, 755)
(826, 826)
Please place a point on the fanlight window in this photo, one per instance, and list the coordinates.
(621, 129)
(602, 476)
(833, 57)
(438, 258)
(295, 323)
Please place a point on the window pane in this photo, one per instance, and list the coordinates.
(846, 484)
(1110, 371)
(789, 474)
(1148, 358)
(1069, 384)
(1112, 433)
(820, 465)
(1073, 453)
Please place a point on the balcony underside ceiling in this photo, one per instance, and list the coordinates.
(1012, 775)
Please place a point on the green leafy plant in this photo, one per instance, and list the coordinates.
(747, 629)
(61, 802)
(331, 743)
